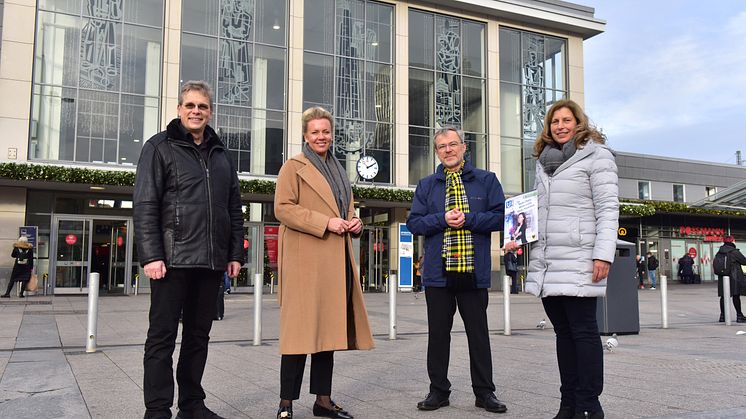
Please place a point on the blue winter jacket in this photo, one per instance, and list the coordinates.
(486, 213)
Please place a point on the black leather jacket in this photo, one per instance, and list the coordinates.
(187, 210)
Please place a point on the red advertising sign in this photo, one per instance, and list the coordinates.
(270, 244)
(120, 241)
(71, 239)
(693, 253)
(245, 244)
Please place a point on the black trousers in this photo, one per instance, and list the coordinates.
(472, 305)
(193, 292)
(291, 374)
(579, 350)
(515, 286)
(736, 305)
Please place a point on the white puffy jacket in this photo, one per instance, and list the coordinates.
(578, 221)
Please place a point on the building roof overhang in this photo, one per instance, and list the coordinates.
(733, 198)
(551, 14)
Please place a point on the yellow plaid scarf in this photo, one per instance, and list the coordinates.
(458, 246)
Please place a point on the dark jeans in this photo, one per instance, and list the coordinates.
(195, 292)
(579, 350)
(472, 305)
(12, 283)
(736, 305)
(291, 374)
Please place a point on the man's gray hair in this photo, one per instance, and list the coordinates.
(446, 130)
(196, 86)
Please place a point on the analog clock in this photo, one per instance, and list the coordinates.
(367, 167)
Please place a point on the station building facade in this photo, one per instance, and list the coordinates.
(87, 82)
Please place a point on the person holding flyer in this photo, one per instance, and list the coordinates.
(577, 184)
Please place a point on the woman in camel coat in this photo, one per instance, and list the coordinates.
(321, 302)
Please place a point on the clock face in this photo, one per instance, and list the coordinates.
(367, 167)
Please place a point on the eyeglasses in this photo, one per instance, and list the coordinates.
(452, 144)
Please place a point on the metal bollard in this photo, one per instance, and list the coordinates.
(93, 279)
(726, 300)
(137, 283)
(664, 300)
(393, 286)
(45, 280)
(506, 304)
(258, 288)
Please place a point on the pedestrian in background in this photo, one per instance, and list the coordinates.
(321, 301)
(577, 185)
(456, 209)
(23, 266)
(652, 269)
(640, 262)
(735, 259)
(511, 269)
(189, 228)
(686, 269)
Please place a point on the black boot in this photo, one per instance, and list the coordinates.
(565, 412)
(740, 318)
(599, 414)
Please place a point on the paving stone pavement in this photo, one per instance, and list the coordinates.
(694, 369)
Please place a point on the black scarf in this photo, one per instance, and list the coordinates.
(554, 155)
(334, 174)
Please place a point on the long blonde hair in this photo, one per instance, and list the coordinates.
(584, 130)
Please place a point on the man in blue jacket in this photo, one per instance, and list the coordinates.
(456, 209)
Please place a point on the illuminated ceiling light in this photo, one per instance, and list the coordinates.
(96, 188)
(276, 26)
(375, 44)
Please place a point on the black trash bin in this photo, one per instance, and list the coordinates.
(619, 311)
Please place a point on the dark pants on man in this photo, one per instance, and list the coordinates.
(579, 350)
(291, 374)
(472, 305)
(515, 286)
(193, 291)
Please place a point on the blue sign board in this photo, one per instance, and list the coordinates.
(406, 255)
(31, 233)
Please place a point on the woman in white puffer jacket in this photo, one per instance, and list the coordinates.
(576, 181)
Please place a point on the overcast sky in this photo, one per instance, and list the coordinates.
(668, 77)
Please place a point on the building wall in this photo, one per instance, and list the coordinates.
(12, 216)
(664, 172)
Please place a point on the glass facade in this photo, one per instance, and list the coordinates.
(643, 190)
(348, 70)
(678, 193)
(533, 75)
(447, 80)
(240, 48)
(96, 80)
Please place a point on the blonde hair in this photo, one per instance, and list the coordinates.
(316, 112)
(584, 130)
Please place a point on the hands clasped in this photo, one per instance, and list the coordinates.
(455, 218)
(340, 226)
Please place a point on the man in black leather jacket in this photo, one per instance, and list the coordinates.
(189, 229)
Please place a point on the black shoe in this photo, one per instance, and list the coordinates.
(599, 414)
(722, 318)
(433, 402)
(491, 403)
(565, 412)
(5, 296)
(202, 413)
(741, 319)
(285, 412)
(334, 412)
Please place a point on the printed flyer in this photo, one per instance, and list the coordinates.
(521, 218)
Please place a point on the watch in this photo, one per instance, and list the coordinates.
(367, 167)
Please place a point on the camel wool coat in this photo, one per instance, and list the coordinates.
(312, 286)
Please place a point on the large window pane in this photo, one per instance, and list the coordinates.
(379, 91)
(318, 76)
(318, 17)
(138, 122)
(510, 110)
(271, 22)
(66, 6)
(476, 149)
(473, 49)
(510, 55)
(351, 34)
(421, 98)
(57, 49)
(421, 154)
(474, 109)
(511, 171)
(380, 31)
(269, 78)
(200, 16)
(141, 60)
(199, 58)
(421, 41)
(144, 12)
